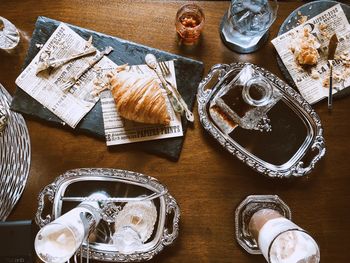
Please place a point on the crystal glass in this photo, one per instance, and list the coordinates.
(58, 241)
(244, 27)
(134, 225)
(294, 246)
(189, 23)
(9, 35)
(282, 241)
(247, 99)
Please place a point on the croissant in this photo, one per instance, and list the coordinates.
(139, 98)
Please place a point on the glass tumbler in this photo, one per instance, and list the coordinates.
(244, 27)
(189, 23)
(282, 241)
(58, 241)
(263, 226)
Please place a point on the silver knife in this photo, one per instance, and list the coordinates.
(333, 43)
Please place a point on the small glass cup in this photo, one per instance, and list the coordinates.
(244, 27)
(189, 23)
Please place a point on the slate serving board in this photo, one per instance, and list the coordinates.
(310, 10)
(188, 75)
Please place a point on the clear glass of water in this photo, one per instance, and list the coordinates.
(244, 27)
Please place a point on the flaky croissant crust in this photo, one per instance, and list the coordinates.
(139, 97)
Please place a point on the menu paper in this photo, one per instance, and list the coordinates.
(121, 131)
(47, 87)
(311, 83)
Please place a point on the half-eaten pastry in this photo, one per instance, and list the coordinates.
(139, 97)
(305, 49)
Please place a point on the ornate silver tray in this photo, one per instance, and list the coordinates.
(14, 157)
(74, 186)
(296, 137)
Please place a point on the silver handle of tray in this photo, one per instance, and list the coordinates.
(48, 191)
(203, 91)
(318, 145)
(172, 207)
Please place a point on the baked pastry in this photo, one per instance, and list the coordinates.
(305, 49)
(307, 55)
(139, 97)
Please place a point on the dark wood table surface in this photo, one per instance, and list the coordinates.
(207, 182)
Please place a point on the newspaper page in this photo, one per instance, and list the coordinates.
(121, 131)
(47, 86)
(314, 84)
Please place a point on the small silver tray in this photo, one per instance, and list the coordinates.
(296, 136)
(69, 189)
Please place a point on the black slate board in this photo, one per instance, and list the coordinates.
(310, 10)
(188, 76)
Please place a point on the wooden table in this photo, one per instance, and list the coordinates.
(207, 182)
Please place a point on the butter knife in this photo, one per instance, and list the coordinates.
(333, 43)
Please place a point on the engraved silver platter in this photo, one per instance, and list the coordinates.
(74, 186)
(14, 156)
(294, 145)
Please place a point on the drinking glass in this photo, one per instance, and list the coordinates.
(282, 241)
(244, 27)
(263, 226)
(134, 225)
(189, 23)
(58, 241)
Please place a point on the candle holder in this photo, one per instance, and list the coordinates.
(264, 226)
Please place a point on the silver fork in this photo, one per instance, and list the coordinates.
(166, 73)
(164, 68)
